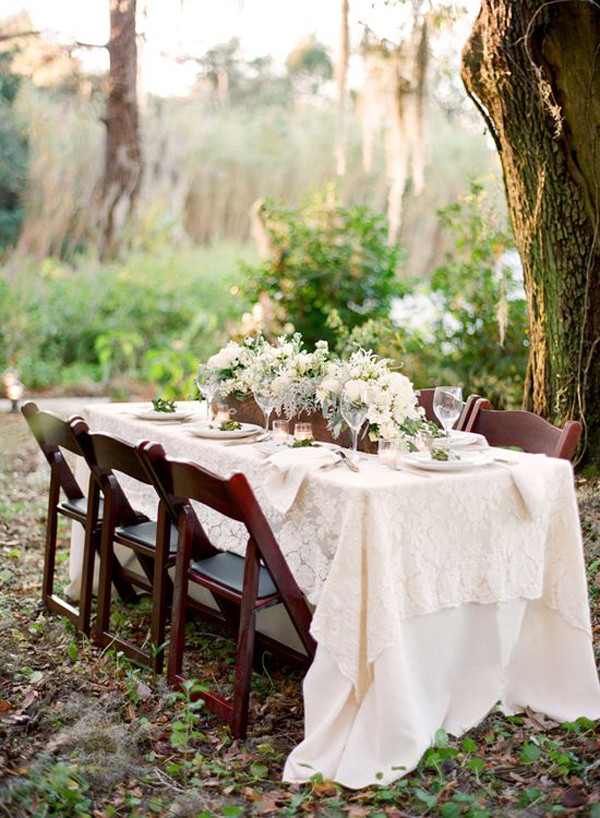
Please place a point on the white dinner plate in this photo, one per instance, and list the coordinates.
(212, 431)
(152, 414)
(270, 447)
(468, 460)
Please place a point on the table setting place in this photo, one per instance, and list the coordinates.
(292, 452)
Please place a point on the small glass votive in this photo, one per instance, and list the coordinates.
(281, 431)
(387, 451)
(223, 413)
(303, 431)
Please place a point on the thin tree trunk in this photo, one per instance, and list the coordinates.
(533, 70)
(342, 83)
(123, 161)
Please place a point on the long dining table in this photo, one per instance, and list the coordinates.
(437, 596)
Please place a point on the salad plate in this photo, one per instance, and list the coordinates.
(212, 431)
(151, 414)
(460, 462)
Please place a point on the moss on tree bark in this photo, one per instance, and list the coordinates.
(533, 70)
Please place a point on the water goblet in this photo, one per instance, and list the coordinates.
(207, 381)
(354, 410)
(447, 405)
(263, 395)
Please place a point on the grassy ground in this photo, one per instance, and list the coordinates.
(84, 732)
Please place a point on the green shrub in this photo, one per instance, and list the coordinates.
(153, 315)
(481, 334)
(325, 257)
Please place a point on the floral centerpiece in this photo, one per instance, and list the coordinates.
(293, 373)
(311, 383)
(392, 403)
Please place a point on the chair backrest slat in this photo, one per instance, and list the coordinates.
(53, 434)
(106, 454)
(113, 454)
(179, 480)
(525, 430)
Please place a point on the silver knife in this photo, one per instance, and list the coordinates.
(347, 461)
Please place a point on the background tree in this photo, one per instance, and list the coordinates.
(123, 159)
(393, 97)
(309, 65)
(533, 70)
(342, 86)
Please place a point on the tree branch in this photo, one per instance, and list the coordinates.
(18, 34)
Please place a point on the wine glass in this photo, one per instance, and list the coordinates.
(207, 381)
(447, 405)
(263, 395)
(354, 411)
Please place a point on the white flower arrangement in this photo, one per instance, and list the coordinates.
(292, 372)
(393, 410)
(313, 381)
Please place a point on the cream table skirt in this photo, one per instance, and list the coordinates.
(434, 598)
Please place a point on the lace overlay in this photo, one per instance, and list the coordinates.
(371, 549)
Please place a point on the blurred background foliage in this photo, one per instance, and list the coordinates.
(239, 226)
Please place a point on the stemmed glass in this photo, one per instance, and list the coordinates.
(263, 395)
(207, 381)
(354, 411)
(447, 405)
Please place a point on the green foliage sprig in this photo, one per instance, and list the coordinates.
(230, 426)
(161, 405)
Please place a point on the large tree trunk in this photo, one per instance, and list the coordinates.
(123, 162)
(533, 70)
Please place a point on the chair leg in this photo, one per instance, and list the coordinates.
(245, 645)
(92, 536)
(106, 564)
(180, 595)
(51, 530)
(159, 590)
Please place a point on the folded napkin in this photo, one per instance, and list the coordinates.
(287, 470)
(529, 476)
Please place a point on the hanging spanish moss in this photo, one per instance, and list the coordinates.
(393, 101)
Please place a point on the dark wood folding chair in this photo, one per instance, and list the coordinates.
(153, 541)
(425, 399)
(526, 430)
(253, 583)
(53, 434)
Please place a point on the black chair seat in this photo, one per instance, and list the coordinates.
(79, 506)
(228, 569)
(145, 534)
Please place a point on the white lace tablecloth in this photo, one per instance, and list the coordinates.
(383, 552)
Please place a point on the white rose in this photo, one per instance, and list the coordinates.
(280, 385)
(330, 385)
(303, 362)
(353, 390)
(231, 352)
(218, 361)
(400, 385)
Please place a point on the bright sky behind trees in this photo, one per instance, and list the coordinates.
(178, 28)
